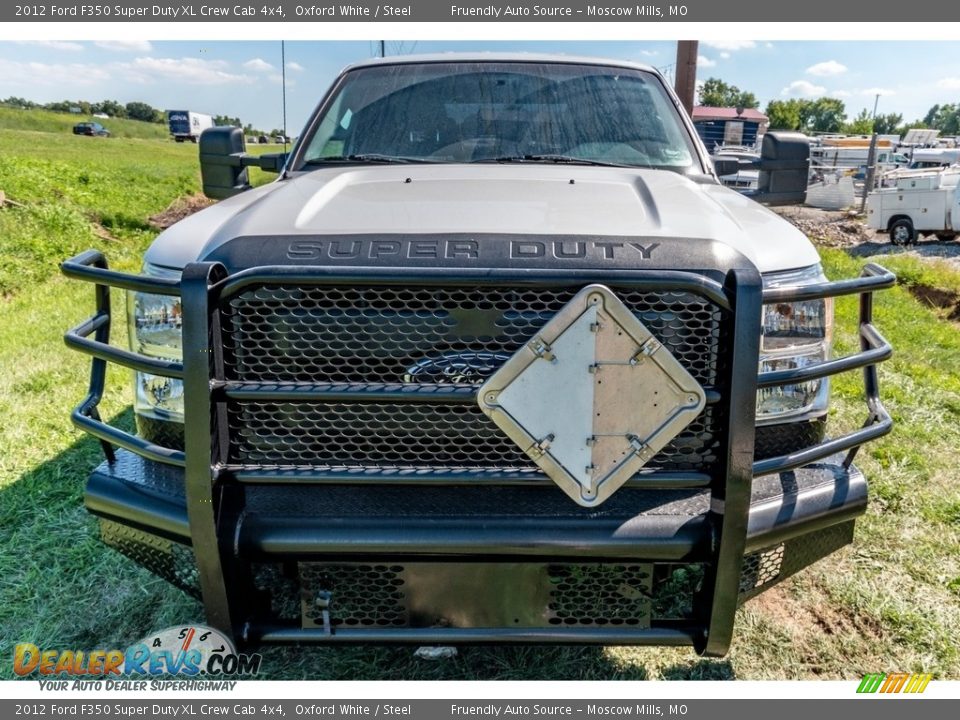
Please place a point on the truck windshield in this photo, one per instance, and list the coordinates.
(500, 112)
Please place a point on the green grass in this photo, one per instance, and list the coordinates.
(889, 602)
(78, 195)
(45, 121)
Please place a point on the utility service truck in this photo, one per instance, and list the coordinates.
(920, 203)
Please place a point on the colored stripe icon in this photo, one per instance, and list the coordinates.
(894, 683)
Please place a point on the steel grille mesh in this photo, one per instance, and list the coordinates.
(389, 335)
(375, 595)
(363, 595)
(600, 594)
(353, 435)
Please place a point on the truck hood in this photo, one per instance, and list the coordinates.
(488, 200)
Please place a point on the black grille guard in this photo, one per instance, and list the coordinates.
(214, 517)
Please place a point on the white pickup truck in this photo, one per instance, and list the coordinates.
(922, 202)
(496, 359)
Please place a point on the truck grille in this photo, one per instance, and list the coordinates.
(411, 337)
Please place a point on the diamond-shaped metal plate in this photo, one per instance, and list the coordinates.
(592, 397)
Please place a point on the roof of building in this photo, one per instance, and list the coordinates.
(702, 112)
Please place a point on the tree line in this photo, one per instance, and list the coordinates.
(826, 115)
(135, 110)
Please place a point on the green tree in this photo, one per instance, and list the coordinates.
(887, 124)
(945, 118)
(141, 111)
(862, 124)
(784, 114)
(227, 121)
(931, 116)
(110, 107)
(716, 93)
(69, 106)
(18, 102)
(823, 115)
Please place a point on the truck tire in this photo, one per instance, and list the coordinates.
(178, 139)
(902, 232)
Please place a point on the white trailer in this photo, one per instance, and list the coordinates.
(187, 125)
(925, 203)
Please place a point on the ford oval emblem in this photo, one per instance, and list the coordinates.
(463, 368)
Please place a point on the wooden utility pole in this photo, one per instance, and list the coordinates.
(686, 82)
(871, 174)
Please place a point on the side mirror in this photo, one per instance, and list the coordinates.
(221, 162)
(726, 165)
(272, 162)
(784, 169)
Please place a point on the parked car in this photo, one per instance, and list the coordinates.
(93, 129)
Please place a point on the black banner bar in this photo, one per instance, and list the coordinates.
(321, 11)
(95, 705)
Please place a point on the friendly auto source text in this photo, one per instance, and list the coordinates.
(496, 11)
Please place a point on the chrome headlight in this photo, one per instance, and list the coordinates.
(795, 334)
(155, 326)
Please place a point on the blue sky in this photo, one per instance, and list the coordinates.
(242, 79)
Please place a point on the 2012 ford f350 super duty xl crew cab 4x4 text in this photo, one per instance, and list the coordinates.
(496, 359)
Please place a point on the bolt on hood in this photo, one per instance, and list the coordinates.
(490, 199)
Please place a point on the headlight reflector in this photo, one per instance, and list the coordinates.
(795, 335)
(155, 327)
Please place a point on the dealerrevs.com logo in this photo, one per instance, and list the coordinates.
(185, 651)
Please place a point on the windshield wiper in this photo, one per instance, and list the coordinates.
(369, 158)
(559, 159)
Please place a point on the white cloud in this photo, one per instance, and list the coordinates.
(190, 71)
(827, 69)
(877, 91)
(768, 46)
(296, 67)
(950, 83)
(705, 62)
(839, 94)
(36, 74)
(803, 88)
(649, 53)
(53, 45)
(137, 46)
(725, 55)
(730, 45)
(258, 65)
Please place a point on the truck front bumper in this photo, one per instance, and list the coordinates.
(479, 564)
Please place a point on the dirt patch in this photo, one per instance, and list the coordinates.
(947, 300)
(7, 202)
(101, 232)
(179, 209)
(814, 614)
(831, 228)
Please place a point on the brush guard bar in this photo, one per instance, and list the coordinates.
(214, 487)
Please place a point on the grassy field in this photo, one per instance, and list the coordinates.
(889, 602)
(45, 121)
